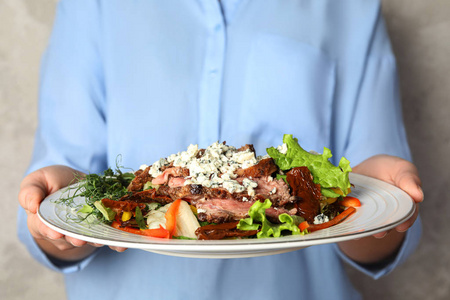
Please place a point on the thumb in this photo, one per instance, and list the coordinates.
(39, 184)
(32, 191)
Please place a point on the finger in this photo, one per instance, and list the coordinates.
(406, 225)
(380, 235)
(408, 180)
(30, 196)
(40, 230)
(118, 249)
(96, 245)
(75, 242)
(62, 244)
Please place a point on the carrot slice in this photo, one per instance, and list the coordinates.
(303, 225)
(350, 202)
(339, 218)
(171, 217)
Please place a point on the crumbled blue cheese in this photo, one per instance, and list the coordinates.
(233, 186)
(155, 170)
(250, 185)
(215, 168)
(273, 191)
(282, 148)
(319, 219)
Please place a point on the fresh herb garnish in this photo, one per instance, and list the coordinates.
(95, 187)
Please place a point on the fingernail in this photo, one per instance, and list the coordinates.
(402, 230)
(382, 236)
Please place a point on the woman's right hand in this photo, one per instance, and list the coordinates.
(33, 189)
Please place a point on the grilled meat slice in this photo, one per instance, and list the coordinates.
(222, 210)
(274, 189)
(265, 167)
(141, 177)
(170, 172)
(190, 192)
(230, 210)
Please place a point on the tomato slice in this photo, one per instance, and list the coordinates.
(350, 202)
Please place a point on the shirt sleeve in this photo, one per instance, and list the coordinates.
(376, 127)
(72, 123)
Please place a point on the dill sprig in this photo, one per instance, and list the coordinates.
(94, 187)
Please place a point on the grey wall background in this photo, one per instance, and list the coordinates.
(420, 33)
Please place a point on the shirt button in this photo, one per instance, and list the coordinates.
(213, 72)
(218, 27)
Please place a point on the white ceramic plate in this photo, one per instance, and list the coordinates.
(383, 207)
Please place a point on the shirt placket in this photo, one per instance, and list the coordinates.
(211, 88)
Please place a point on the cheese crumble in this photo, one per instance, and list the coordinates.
(215, 168)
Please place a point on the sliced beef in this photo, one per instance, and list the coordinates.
(222, 210)
(307, 192)
(147, 196)
(176, 182)
(274, 189)
(190, 192)
(141, 178)
(170, 172)
(265, 167)
(229, 210)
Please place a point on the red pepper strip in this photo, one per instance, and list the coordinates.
(160, 232)
(116, 225)
(339, 218)
(350, 202)
(171, 217)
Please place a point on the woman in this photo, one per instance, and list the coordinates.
(144, 79)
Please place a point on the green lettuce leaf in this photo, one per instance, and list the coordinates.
(257, 218)
(329, 193)
(324, 172)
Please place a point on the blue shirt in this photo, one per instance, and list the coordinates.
(144, 79)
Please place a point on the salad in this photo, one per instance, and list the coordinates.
(222, 192)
